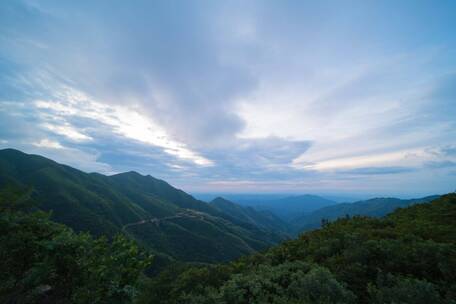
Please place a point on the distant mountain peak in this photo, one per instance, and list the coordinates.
(220, 199)
(129, 173)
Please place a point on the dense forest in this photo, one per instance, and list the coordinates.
(71, 237)
(407, 257)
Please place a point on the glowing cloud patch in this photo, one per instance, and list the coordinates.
(402, 158)
(67, 131)
(47, 143)
(122, 120)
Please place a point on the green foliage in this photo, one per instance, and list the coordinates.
(294, 282)
(407, 257)
(45, 262)
(392, 289)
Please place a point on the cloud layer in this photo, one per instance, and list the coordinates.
(257, 96)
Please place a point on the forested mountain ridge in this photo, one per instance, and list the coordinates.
(407, 257)
(261, 218)
(104, 205)
(375, 207)
(288, 207)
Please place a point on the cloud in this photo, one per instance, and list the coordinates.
(364, 162)
(265, 158)
(441, 164)
(88, 161)
(449, 150)
(378, 170)
(169, 65)
(66, 103)
(68, 131)
(46, 143)
(275, 95)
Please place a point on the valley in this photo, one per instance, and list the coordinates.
(178, 242)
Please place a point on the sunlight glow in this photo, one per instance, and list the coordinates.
(123, 121)
(47, 143)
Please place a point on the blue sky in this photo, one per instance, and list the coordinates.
(237, 96)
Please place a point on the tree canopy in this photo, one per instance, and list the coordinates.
(406, 257)
(45, 262)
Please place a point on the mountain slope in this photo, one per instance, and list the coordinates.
(375, 207)
(407, 257)
(106, 205)
(263, 219)
(286, 208)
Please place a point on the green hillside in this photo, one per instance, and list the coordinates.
(106, 205)
(288, 207)
(407, 257)
(260, 218)
(375, 207)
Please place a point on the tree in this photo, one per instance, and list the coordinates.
(393, 289)
(45, 262)
(291, 282)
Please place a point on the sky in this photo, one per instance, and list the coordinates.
(336, 97)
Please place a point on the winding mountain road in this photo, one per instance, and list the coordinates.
(157, 221)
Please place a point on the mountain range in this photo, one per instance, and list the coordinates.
(376, 207)
(284, 206)
(295, 214)
(261, 218)
(408, 256)
(288, 207)
(167, 221)
(163, 219)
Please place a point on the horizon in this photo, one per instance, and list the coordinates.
(333, 99)
(337, 197)
(342, 198)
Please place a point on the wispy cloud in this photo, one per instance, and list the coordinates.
(282, 96)
(378, 170)
(68, 131)
(405, 157)
(121, 120)
(47, 143)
